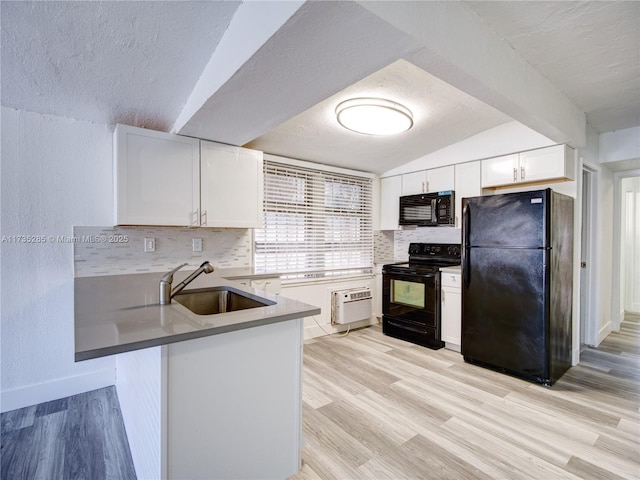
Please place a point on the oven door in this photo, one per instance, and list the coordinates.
(411, 307)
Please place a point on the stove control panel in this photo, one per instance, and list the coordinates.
(434, 251)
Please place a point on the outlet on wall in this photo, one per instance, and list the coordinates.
(149, 244)
(197, 244)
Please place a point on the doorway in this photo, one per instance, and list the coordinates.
(630, 245)
(587, 323)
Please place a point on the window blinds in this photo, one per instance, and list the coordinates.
(316, 223)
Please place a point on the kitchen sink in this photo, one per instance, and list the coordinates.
(209, 301)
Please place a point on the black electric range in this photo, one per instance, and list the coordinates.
(411, 293)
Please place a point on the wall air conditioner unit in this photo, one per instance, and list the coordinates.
(352, 305)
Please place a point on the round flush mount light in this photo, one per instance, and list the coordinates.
(374, 116)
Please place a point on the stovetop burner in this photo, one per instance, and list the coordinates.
(428, 257)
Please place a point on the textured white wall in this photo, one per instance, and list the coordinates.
(56, 173)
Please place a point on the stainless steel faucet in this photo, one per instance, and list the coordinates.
(166, 293)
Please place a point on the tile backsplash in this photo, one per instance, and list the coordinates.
(120, 250)
(402, 239)
(383, 246)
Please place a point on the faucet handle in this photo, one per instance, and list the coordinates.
(168, 277)
(165, 285)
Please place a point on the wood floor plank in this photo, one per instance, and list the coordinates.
(334, 438)
(17, 419)
(588, 471)
(48, 433)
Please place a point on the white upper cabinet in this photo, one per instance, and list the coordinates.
(551, 163)
(500, 170)
(231, 186)
(165, 179)
(157, 177)
(414, 183)
(440, 179)
(390, 191)
(432, 180)
(540, 165)
(467, 184)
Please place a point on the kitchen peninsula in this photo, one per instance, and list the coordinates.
(202, 396)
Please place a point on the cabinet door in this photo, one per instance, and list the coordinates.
(499, 171)
(157, 177)
(451, 315)
(231, 184)
(467, 184)
(414, 183)
(390, 191)
(440, 179)
(549, 163)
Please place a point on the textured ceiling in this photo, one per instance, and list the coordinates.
(589, 49)
(442, 116)
(128, 62)
(138, 63)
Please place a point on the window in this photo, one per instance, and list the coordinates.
(316, 223)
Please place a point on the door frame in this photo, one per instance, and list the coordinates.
(588, 333)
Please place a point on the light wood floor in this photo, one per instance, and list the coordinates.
(380, 408)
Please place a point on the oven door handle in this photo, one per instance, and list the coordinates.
(410, 275)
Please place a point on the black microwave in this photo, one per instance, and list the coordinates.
(428, 209)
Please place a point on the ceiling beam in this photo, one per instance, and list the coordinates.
(454, 44)
(251, 26)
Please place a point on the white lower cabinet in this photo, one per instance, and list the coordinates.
(217, 407)
(451, 303)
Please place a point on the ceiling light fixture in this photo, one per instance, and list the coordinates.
(374, 116)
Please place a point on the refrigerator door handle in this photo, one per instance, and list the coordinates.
(464, 260)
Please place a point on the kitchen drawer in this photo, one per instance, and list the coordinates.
(450, 280)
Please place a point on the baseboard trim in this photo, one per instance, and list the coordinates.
(55, 389)
(313, 331)
(603, 332)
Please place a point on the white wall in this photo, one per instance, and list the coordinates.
(620, 145)
(506, 138)
(56, 173)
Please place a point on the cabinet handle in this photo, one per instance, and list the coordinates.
(203, 219)
(442, 293)
(521, 173)
(515, 174)
(194, 220)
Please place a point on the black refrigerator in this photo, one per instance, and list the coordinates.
(517, 276)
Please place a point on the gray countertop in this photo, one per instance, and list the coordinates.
(121, 313)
